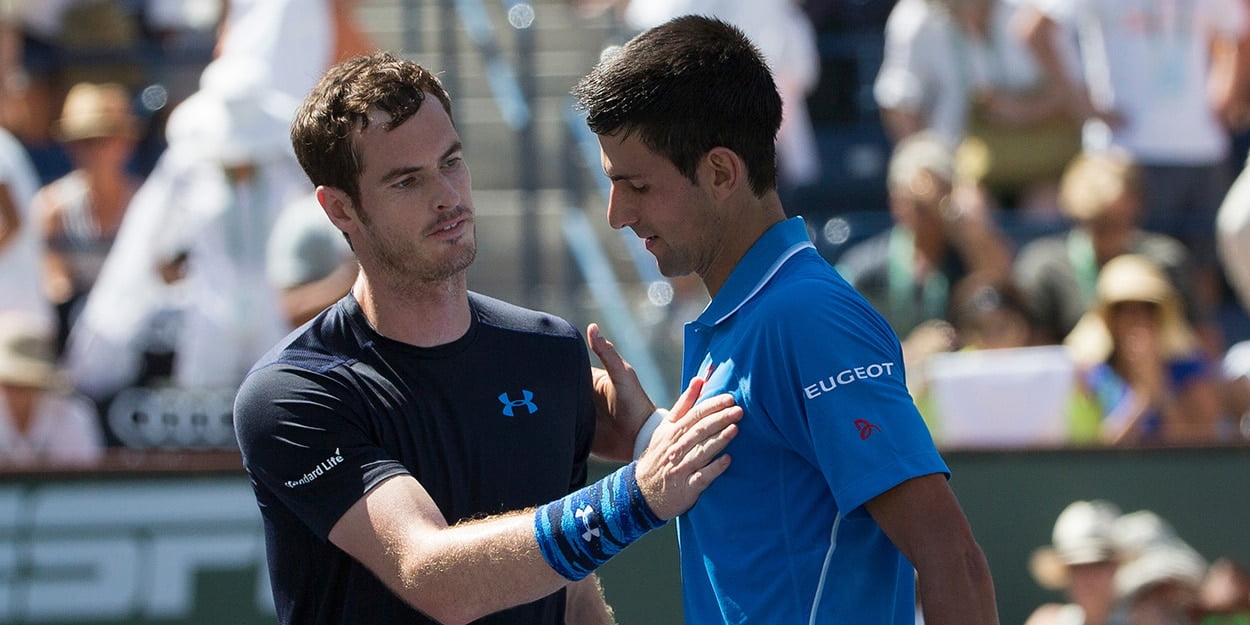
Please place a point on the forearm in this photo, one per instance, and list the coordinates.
(1228, 79)
(465, 572)
(962, 595)
(980, 244)
(585, 605)
(459, 573)
(1038, 32)
(923, 519)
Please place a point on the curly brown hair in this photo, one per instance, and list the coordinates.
(337, 110)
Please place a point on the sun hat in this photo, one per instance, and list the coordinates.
(27, 352)
(1154, 554)
(235, 117)
(95, 110)
(1083, 534)
(1130, 278)
(921, 151)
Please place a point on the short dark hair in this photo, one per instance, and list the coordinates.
(685, 87)
(337, 109)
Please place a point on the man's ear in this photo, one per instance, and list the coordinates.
(339, 208)
(726, 171)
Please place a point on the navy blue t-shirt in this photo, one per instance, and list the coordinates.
(498, 420)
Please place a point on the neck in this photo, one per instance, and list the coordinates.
(743, 227)
(423, 314)
(110, 194)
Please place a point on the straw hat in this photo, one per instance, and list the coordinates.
(27, 352)
(922, 151)
(1083, 534)
(1130, 278)
(96, 110)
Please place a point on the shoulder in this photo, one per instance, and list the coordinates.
(1044, 251)
(506, 316)
(808, 296)
(1163, 249)
(327, 342)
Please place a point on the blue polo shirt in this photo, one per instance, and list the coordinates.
(782, 536)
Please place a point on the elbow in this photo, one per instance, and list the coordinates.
(420, 588)
(442, 607)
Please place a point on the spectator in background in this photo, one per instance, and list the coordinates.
(295, 40)
(1236, 369)
(907, 271)
(1141, 361)
(985, 313)
(308, 260)
(1101, 194)
(1157, 84)
(954, 67)
(193, 243)
(1233, 237)
(40, 419)
(20, 245)
(1081, 561)
(988, 313)
(80, 213)
(51, 45)
(1224, 597)
(1159, 578)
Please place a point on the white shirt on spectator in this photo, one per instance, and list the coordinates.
(1148, 60)
(65, 429)
(930, 66)
(21, 258)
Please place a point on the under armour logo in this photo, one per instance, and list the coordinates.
(866, 429)
(587, 517)
(527, 400)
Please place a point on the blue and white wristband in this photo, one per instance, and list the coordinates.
(581, 531)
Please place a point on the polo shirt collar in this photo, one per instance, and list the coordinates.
(765, 257)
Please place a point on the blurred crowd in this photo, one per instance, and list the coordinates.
(1062, 175)
(1116, 568)
(156, 235)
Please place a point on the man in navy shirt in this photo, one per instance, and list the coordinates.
(392, 439)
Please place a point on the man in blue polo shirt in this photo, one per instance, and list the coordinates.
(837, 501)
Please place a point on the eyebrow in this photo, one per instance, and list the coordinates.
(625, 177)
(402, 171)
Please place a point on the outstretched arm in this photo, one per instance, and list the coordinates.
(456, 574)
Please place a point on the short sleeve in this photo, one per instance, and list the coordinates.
(843, 398)
(303, 442)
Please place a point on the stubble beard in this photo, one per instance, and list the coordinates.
(408, 270)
